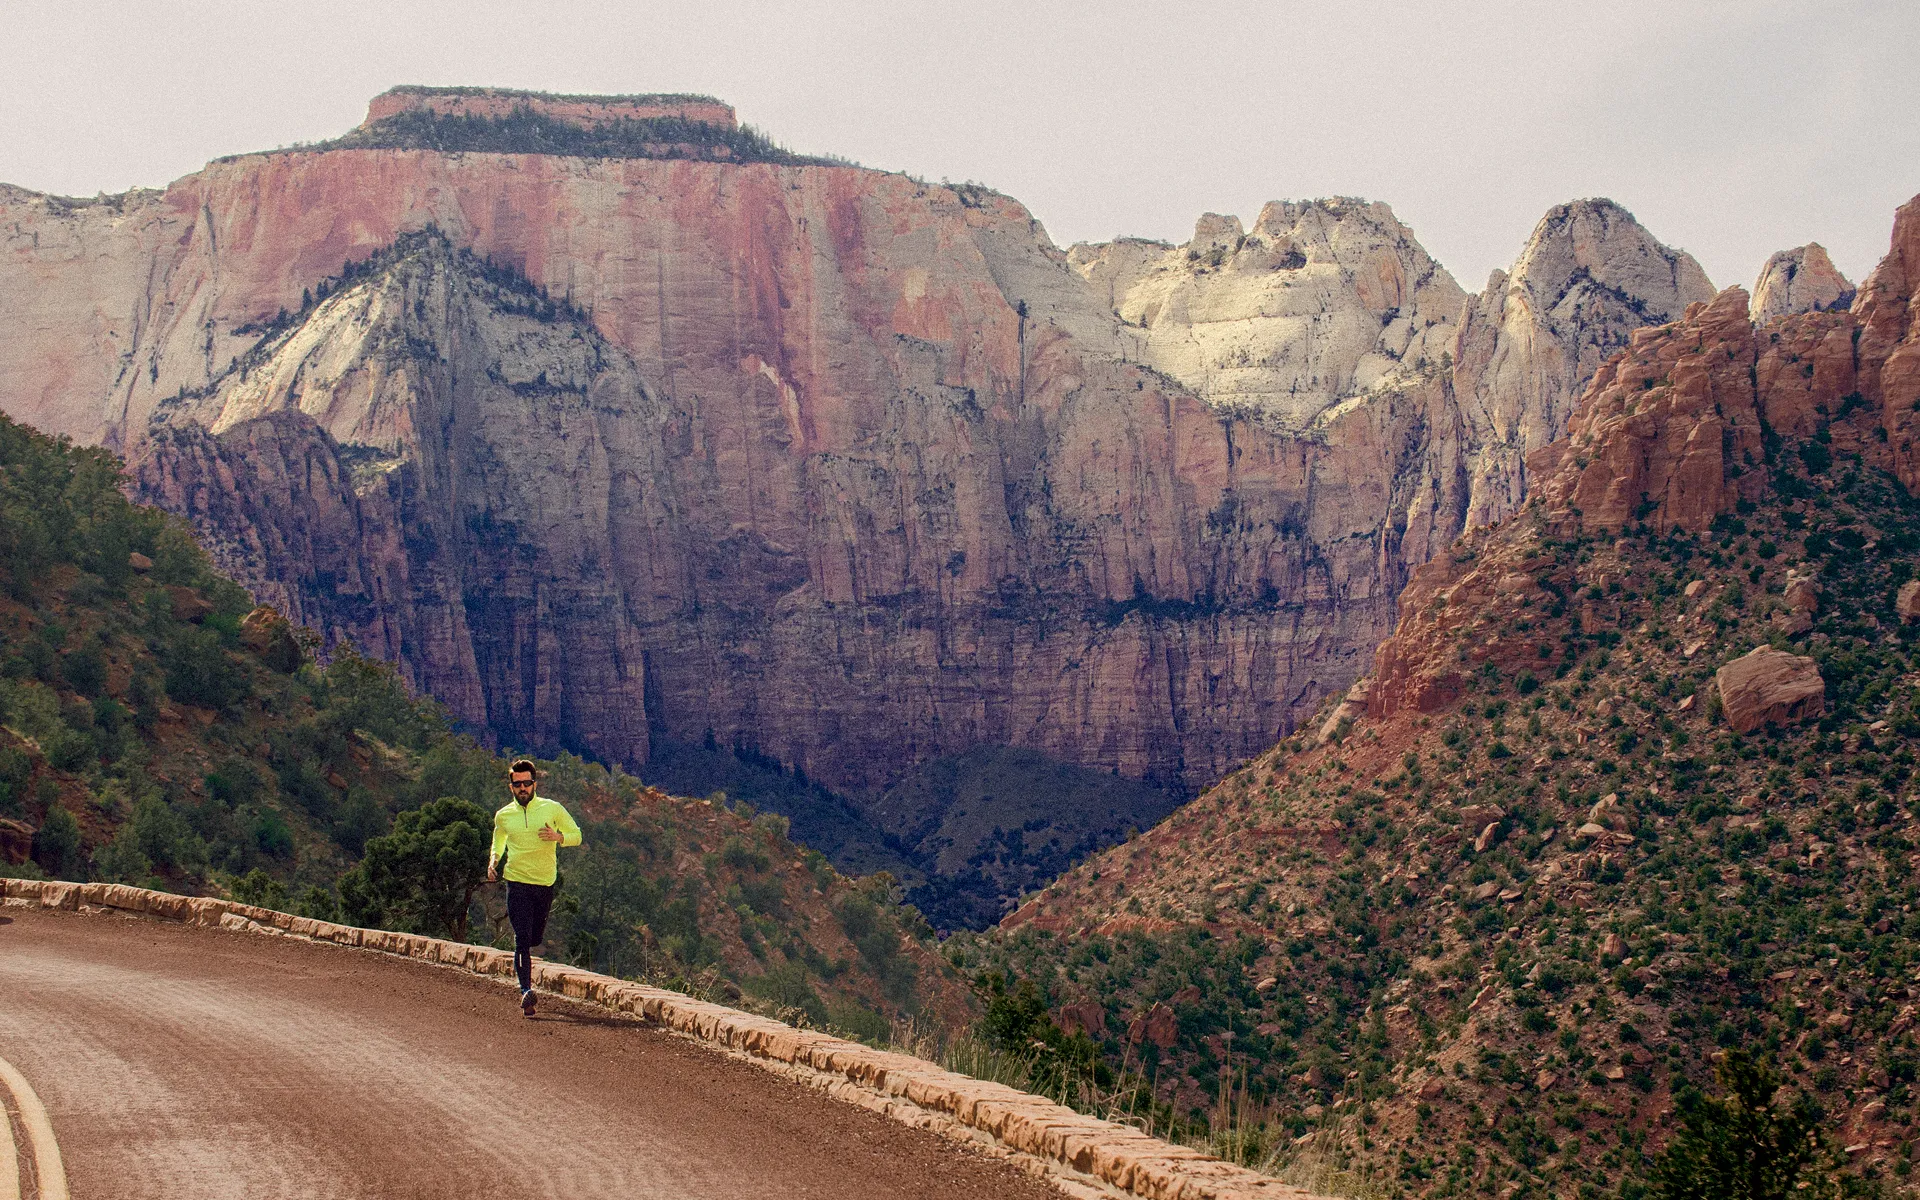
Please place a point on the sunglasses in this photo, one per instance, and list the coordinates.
(517, 784)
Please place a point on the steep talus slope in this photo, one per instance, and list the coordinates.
(1575, 834)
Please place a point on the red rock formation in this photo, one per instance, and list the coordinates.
(826, 491)
(1768, 686)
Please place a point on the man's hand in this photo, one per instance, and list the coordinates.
(492, 873)
(549, 834)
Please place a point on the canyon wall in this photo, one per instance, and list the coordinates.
(851, 469)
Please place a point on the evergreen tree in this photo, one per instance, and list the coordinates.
(423, 875)
(1746, 1144)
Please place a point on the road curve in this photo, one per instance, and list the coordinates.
(178, 1061)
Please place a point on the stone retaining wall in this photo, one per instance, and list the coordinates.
(1085, 1155)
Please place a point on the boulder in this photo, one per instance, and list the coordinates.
(270, 637)
(1475, 817)
(1800, 593)
(256, 628)
(1351, 707)
(1156, 1025)
(1907, 602)
(189, 605)
(16, 841)
(1086, 1016)
(140, 563)
(1606, 812)
(1770, 686)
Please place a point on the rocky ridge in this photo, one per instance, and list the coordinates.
(1633, 781)
(577, 110)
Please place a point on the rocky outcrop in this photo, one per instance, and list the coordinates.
(1800, 280)
(1662, 436)
(1669, 435)
(1906, 602)
(1589, 277)
(1770, 687)
(575, 110)
(1319, 301)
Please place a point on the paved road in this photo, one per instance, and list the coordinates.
(185, 1062)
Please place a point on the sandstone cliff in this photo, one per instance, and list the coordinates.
(841, 467)
(1327, 305)
(1799, 280)
(1318, 302)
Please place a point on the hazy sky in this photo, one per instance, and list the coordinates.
(1731, 128)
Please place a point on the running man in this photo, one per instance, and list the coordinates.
(531, 829)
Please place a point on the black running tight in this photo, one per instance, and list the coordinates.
(527, 908)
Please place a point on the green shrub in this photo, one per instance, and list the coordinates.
(421, 878)
(16, 771)
(85, 670)
(200, 671)
(259, 889)
(56, 844)
(1742, 1145)
(272, 834)
(121, 860)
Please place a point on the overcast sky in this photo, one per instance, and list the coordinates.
(1731, 128)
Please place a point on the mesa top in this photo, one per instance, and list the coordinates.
(516, 829)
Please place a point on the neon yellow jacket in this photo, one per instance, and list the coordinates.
(516, 829)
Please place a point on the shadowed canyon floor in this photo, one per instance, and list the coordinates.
(186, 1062)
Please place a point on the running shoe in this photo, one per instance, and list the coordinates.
(527, 1002)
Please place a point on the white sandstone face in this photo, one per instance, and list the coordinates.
(1799, 280)
(1590, 275)
(1318, 302)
